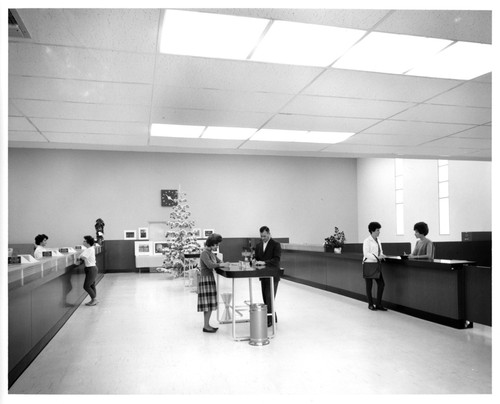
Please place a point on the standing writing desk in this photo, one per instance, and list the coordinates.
(265, 272)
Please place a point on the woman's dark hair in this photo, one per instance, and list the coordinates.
(373, 226)
(213, 239)
(422, 228)
(264, 228)
(39, 239)
(89, 239)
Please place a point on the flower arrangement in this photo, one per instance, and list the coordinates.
(337, 240)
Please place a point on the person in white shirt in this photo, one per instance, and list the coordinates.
(372, 252)
(88, 257)
(40, 243)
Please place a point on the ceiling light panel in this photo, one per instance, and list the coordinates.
(226, 133)
(210, 35)
(390, 53)
(280, 135)
(185, 131)
(462, 61)
(304, 44)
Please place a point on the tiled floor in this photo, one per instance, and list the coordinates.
(145, 337)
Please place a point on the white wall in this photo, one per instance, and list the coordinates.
(470, 197)
(62, 192)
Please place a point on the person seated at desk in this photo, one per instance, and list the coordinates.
(424, 249)
(40, 243)
(207, 289)
(268, 253)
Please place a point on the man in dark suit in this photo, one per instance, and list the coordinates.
(268, 252)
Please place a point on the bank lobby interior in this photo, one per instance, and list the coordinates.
(107, 111)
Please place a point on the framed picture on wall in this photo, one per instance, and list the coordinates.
(129, 235)
(143, 233)
(143, 248)
(159, 246)
(197, 233)
(207, 232)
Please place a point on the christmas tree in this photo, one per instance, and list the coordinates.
(180, 238)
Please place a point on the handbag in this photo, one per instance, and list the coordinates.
(372, 270)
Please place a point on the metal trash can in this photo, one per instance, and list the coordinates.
(258, 324)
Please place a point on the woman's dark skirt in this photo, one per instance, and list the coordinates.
(207, 293)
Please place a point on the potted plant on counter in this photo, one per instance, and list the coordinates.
(335, 242)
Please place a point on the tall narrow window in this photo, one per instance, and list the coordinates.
(444, 197)
(399, 196)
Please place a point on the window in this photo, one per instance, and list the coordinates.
(444, 197)
(399, 196)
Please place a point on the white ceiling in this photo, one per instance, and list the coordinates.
(94, 79)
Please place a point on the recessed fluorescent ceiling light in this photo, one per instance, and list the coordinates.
(279, 135)
(218, 132)
(210, 35)
(390, 53)
(461, 61)
(304, 44)
(159, 129)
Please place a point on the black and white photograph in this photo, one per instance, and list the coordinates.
(297, 198)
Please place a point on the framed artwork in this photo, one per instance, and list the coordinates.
(143, 248)
(197, 233)
(169, 197)
(159, 246)
(207, 232)
(129, 235)
(143, 233)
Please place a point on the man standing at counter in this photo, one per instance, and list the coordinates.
(268, 253)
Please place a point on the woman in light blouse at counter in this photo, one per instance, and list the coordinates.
(424, 249)
(40, 243)
(372, 252)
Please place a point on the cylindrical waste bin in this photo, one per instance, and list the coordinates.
(258, 324)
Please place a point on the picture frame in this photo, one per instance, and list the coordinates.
(143, 248)
(129, 234)
(159, 246)
(197, 232)
(207, 232)
(143, 233)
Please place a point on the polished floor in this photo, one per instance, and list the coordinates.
(145, 337)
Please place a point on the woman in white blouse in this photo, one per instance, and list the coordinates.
(40, 243)
(372, 252)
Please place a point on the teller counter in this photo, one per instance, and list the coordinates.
(42, 297)
(451, 292)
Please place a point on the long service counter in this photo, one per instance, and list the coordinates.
(451, 292)
(42, 297)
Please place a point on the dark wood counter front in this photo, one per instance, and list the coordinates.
(434, 290)
(42, 297)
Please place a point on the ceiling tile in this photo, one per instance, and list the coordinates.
(46, 125)
(459, 25)
(378, 86)
(188, 71)
(133, 29)
(361, 149)
(81, 110)
(13, 110)
(344, 107)
(319, 123)
(20, 123)
(387, 140)
(194, 143)
(478, 132)
(25, 136)
(413, 128)
(26, 59)
(470, 94)
(182, 97)
(283, 146)
(96, 139)
(461, 143)
(79, 91)
(446, 114)
(208, 118)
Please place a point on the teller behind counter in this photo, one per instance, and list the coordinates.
(40, 243)
(424, 248)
